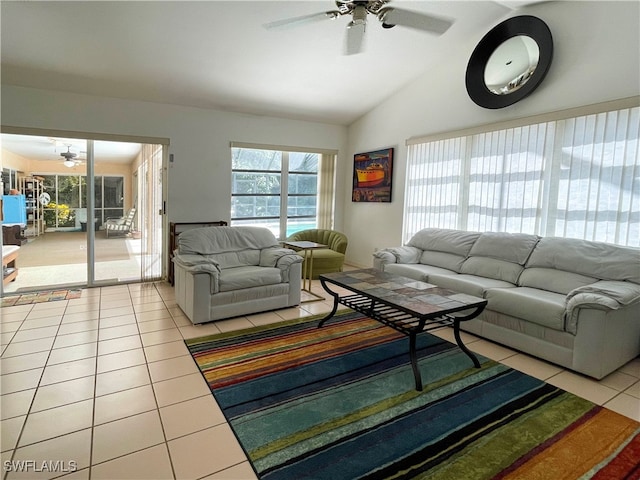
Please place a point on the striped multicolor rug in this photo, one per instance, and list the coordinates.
(339, 403)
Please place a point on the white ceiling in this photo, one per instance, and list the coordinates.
(49, 148)
(216, 54)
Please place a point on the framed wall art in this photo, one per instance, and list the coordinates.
(372, 175)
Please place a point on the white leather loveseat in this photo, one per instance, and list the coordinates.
(572, 302)
(223, 272)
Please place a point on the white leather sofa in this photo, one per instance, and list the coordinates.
(223, 272)
(572, 302)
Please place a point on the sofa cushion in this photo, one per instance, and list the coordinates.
(601, 260)
(531, 304)
(492, 268)
(553, 280)
(442, 240)
(236, 259)
(469, 284)
(225, 239)
(510, 247)
(449, 261)
(499, 255)
(416, 271)
(247, 277)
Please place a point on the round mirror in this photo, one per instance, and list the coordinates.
(509, 62)
(511, 65)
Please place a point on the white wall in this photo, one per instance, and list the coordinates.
(596, 59)
(200, 178)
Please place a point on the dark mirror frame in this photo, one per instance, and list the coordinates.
(523, 25)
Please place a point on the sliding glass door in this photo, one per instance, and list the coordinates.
(97, 187)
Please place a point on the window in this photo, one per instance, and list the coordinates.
(9, 180)
(69, 199)
(275, 189)
(576, 177)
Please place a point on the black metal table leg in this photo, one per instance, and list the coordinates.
(336, 299)
(414, 361)
(463, 347)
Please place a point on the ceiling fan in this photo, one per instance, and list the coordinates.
(359, 10)
(70, 159)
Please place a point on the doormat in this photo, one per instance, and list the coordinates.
(40, 297)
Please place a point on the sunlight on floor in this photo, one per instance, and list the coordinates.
(68, 274)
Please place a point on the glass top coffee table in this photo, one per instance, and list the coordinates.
(407, 305)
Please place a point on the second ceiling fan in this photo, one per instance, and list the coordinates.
(70, 159)
(359, 10)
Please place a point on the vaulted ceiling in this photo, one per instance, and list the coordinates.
(216, 54)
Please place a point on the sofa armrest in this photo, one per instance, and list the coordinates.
(281, 258)
(382, 258)
(622, 293)
(192, 294)
(602, 295)
(277, 256)
(200, 264)
(405, 254)
(196, 263)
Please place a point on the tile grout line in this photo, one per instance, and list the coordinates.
(35, 394)
(95, 391)
(155, 399)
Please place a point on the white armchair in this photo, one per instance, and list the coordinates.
(223, 272)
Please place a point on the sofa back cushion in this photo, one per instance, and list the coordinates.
(457, 242)
(552, 280)
(243, 258)
(444, 248)
(500, 255)
(449, 261)
(219, 240)
(335, 240)
(510, 247)
(599, 260)
(492, 268)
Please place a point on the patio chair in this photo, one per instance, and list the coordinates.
(121, 225)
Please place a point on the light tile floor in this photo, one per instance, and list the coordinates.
(106, 381)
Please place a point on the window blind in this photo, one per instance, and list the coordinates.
(576, 177)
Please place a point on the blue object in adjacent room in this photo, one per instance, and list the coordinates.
(14, 209)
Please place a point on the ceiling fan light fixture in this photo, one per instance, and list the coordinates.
(69, 163)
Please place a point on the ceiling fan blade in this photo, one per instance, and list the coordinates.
(295, 21)
(420, 21)
(354, 39)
